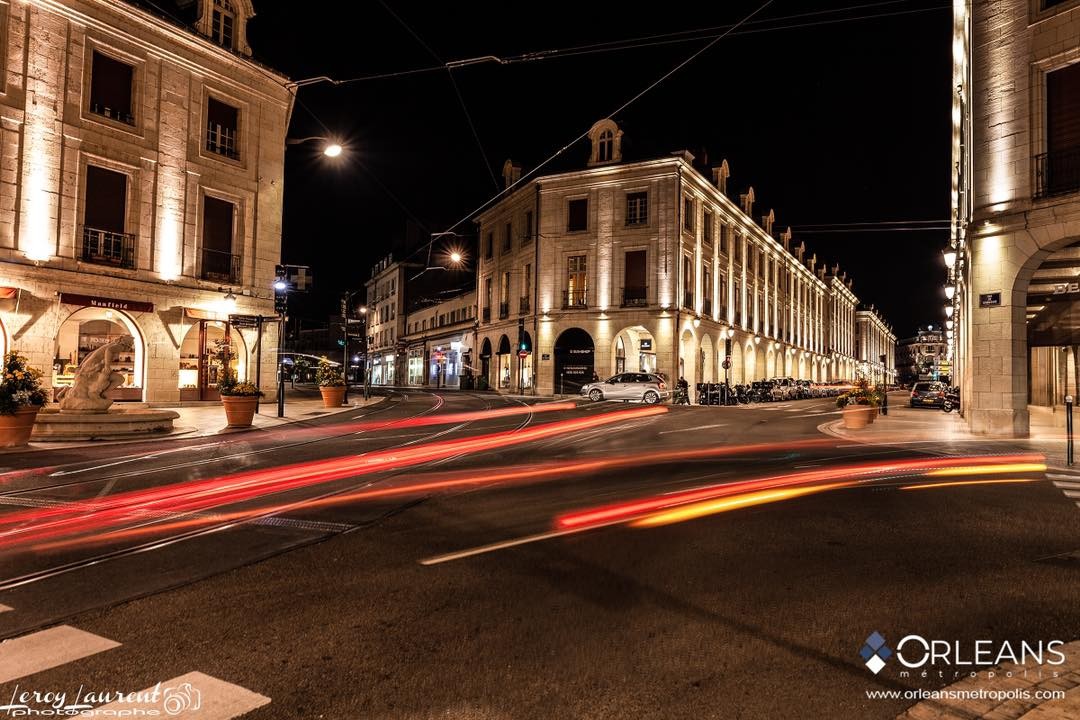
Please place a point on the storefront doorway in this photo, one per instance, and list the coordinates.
(86, 330)
(207, 346)
(574, 353)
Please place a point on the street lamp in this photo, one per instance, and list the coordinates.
(949, 254)
(346, 299)
(331, 148)
(948, 311)
(950, 290)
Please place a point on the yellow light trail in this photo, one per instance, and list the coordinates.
(735, 502)
(958, 483)
(986, 469)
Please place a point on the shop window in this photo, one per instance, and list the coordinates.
(111, 83)
(87, 330)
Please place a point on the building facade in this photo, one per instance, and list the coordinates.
(439, 339)
(875, 344)
(386, 317)
(650, 266)
(1014, 255)
(141, 165)
(924, 356)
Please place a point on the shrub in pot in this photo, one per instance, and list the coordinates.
(21, 396)
(331, 384)
(240, 400)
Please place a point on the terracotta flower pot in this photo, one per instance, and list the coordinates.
(873, 413)
(856, 417)
(239, 409)
(15, 429)
(333, 396)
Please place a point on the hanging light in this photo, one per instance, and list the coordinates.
(948, 311)
(950, 290)
(949, 324)
(950, 256)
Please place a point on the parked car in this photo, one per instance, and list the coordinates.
(632, 387)
(928, 394)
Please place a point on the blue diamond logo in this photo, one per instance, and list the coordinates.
(867, 652)
(875, 640)
(884, 652)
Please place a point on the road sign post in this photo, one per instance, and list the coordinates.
(1069, 430)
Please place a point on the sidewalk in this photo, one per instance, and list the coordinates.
(209, 419)
(905, 424)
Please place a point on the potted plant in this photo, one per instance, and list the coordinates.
(856, 406)
(21, 396)
(331, 384)
(240, 400)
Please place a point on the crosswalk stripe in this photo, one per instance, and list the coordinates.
(46, 649)
(195, 695)
(1067, 485)
(1058, 476)
(1072, 494)
(4, 608)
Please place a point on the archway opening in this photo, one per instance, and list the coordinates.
(87, 329)
(708, 360)
(634, 351)
(485, 363)
(503, 363)
(1053, 335)
(574, 360)
(206, 347)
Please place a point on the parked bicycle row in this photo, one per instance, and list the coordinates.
(762, 391)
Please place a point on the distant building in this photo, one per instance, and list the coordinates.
(924, 356)
(141, 189)
(386, 319)
(653, 265)
(875, 344)
(439, 339)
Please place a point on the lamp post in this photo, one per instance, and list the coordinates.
(331, 148)
(346, 299)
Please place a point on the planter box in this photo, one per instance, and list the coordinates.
(856, 417)
(15, 429)
(333, 397)
(240, 409)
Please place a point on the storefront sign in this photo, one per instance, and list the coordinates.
(646, 344)
(107, 303)
(244, 321)
(545, 356)
(990, 299)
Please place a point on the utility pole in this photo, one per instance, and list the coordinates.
(345, 346)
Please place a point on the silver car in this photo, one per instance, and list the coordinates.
(632, 386)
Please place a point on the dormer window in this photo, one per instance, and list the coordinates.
(223, 24)
(606, 146)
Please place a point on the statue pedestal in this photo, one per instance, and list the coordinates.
(114, 424)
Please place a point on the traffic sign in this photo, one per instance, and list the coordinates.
(523, 354)
(727, 363)
(244, 321)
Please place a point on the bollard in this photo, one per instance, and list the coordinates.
(1068, 430)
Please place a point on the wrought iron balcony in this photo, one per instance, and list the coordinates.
(635, 296)
(123, 116)
(504, 310)
(105, 247)
(575, 299)
(1057, 173)
(220, 266)
(523, 309)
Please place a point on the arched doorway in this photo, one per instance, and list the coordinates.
(1053, 336)
(708, 367)
(525, 364)
(574, 361)
(89, 328)
(203, 353)
(738, 368)
(688, 358)
(502, 364)
(634, 351)
(749, 362)
(485, 364)
(770, 363)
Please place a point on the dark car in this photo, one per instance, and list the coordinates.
(928, 394)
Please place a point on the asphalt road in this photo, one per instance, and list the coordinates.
(405, 565)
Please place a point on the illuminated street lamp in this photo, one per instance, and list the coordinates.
(950, 290)
(948, 311)
(331, 148)
(949, 324)
(950, 257)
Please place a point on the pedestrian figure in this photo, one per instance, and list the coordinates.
(682, 393)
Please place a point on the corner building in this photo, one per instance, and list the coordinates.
(649, 266)
(141, 165)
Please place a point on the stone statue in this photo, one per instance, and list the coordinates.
(93, 378)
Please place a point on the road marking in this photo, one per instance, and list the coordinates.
(5, 608)
(133, 458)
(46, 649)
(195, 695)
(1066, 485)
(699, 427)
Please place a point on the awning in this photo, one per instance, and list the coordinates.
(6, 293)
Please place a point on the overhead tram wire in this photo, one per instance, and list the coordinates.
(513, 186)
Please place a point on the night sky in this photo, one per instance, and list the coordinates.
(831, 123)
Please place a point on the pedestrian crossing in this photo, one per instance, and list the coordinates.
(1067, 481)
(192, 695)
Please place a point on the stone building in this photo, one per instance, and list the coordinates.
(141, 162)
(1016, 202)
(923, 356)
(649, 266)
(386, 319)
(874, 340)
(439, 338)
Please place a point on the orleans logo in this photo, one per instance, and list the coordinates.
(875, 652)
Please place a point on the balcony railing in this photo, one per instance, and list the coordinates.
(105, 247)
(1057, 173)
(220, 266)
(504, 310)
(635, 296)
(575, 299)
(123, 116)
(486, 313)
(523, 308)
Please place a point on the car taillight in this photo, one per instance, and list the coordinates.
(663, 386)
(913, 393)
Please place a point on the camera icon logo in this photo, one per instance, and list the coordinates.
(181, 698)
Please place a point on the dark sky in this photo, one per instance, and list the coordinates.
(831, 123)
